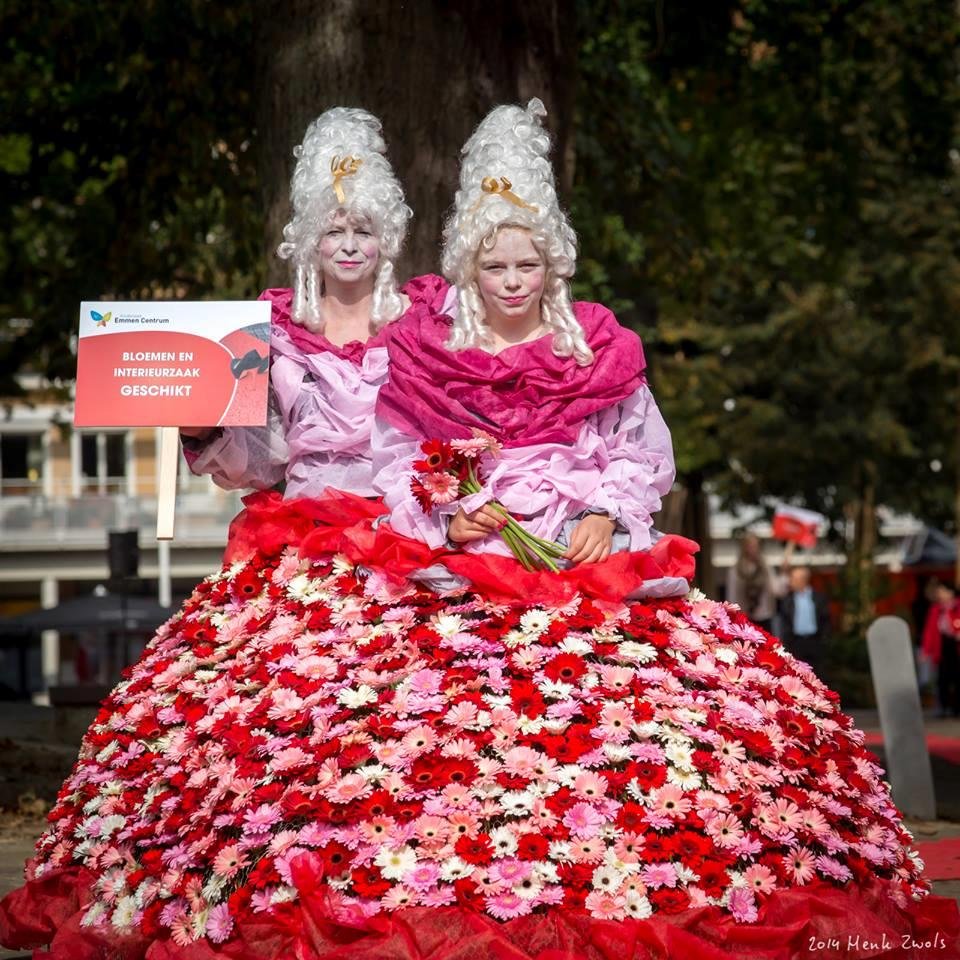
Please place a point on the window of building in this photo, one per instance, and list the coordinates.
(103, 462)
(21, 463)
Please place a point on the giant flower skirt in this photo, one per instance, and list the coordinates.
(319, 759)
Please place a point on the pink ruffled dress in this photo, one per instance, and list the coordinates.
(322, 398)
(560, 461)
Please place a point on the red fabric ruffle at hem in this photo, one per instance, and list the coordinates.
(818, 920)
(340, 522)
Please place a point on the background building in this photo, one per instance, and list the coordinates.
(61, 491)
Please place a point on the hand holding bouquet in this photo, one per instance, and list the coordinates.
(450, 470)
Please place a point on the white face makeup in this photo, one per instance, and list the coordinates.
(349, 250)
(511, 276)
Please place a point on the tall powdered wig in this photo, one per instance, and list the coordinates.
(342, 167)
(506, 180)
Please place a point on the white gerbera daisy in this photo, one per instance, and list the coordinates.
(361, 696)
(636, 652)
(535, 621)
(122, 916)
(397, 862)
(447, 624)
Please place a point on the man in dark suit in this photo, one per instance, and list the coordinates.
(805, 618)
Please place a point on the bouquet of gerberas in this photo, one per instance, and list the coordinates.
(451, 469)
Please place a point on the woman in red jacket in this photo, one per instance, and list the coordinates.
(941, 644)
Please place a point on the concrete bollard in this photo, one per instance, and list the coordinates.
(901, 717)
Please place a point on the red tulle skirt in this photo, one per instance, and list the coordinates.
(819, 920)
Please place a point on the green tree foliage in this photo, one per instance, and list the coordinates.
(125, 163)
(770, 190)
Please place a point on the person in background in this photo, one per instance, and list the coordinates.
(926, 597)
(941, 636)
(805, 616)
(750, 583)
(926, 672)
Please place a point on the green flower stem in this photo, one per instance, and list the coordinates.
(531, 551)
(544, 558)
(517, 549)
(472, 485)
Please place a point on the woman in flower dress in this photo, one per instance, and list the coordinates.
(327, 333)
(328, 360)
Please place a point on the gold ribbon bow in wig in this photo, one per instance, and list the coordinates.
(491, 186)
(346, 167)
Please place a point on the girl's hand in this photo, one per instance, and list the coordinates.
(591, 539)
(465, 527)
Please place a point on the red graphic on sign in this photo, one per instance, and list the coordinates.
(250, 363)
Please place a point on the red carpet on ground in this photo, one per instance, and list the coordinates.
(947, 748)
(941, 858)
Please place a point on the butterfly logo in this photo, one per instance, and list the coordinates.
(102, 318)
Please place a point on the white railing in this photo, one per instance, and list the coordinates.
(39, 521)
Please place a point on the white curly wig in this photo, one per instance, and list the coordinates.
(508, 152)
(343, 135)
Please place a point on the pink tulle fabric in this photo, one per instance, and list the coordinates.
(621, 462)
(524, 395)
(322, 402)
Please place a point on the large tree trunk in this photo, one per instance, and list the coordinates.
(428, 69)
(686, 511)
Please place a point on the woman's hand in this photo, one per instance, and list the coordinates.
(591, 539)
(465, 527)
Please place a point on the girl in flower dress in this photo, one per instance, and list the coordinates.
(170, 751)
(590, 762)
(327, 334)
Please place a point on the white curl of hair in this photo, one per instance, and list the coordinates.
(373, 193)
(511, 142)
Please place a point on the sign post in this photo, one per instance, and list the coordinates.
(167, 481)
(172, 364)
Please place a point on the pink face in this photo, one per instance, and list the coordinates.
(349, 249)
(511, 276)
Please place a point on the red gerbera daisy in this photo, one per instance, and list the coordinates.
(246, 584)
(565, 668)
(438, 455)
(475, 850)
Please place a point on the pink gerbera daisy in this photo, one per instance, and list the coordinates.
(440, 487)
(799, 865)
(583, 820)
(606, 906)
(725, 830)
(506, 905)
(761, 878)
(423, 876)
(262, 818)
(589, 785)
(669, 801)
(743, 904)
(659, 875)
(629, 847)
(834, 869)
(229, 862)
(219, 923)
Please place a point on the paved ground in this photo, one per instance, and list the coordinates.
(37, 749)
